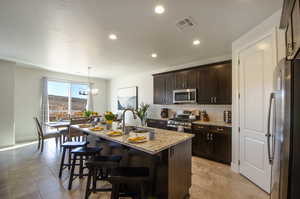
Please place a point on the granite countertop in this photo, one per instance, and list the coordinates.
(164, 139)
(213, 123)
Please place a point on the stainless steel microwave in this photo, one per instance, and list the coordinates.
(185, 96)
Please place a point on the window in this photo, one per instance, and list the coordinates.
(66, 99)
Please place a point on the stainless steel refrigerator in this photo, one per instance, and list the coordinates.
(284, 131)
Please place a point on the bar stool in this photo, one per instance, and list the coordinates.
(129, 175)
(110, 148)
(68, 146)
(81, 152)
(100, 168)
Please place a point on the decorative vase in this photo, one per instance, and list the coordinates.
(109, 124)
(143, 122)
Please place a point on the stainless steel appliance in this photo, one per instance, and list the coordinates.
(185, 96)
(182, 121)
(284, 131)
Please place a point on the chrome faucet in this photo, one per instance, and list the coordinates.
(123, 117)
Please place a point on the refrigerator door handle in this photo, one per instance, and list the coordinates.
(268, 135)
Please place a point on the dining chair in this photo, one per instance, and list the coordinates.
(44, 133)
(71, 133)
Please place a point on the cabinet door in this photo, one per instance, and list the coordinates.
(224, 87)
(207, 85)
(219, 148)
(192, 79)
(169, 83)
(296, 26)
(159, 89)
(181, 79)
(289, 41)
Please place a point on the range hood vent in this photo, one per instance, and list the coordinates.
(186, 23)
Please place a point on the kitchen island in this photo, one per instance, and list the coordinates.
(170, 154)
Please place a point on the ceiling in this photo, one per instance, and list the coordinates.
(70, 35)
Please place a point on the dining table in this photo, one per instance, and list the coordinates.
(59, 124)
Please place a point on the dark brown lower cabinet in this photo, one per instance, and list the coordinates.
(212, 142)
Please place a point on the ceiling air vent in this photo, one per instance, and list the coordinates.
(186, 23)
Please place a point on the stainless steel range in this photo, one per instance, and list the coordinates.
(182, 122)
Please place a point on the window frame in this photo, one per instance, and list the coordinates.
(69, 92)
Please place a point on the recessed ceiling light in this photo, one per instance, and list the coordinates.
(196, 42)
(154, 55)
(113, 37)
(159, 9)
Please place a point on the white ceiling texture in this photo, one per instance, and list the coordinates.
(70, 35)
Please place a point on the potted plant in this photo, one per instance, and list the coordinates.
(109, 117)
(87, 113)
(142, 113)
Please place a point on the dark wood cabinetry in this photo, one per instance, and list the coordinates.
(290, 20)
(186, 79)
(163, 86)
(159, 89)
(213, 83)
(212, 142)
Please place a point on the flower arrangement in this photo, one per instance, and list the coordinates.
(87, 113)
(109, 116)
(142, 112)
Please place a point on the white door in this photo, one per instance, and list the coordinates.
(257, 63)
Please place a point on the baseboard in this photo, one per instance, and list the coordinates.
(235, 167)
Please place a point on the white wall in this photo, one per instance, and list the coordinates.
(21, 90)
(6, 103)
(144, 82)
(28, 91)
(268, 26)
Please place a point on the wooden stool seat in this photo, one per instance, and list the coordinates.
(74, 144)
(86, 151)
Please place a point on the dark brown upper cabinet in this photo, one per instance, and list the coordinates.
(290, 20)
(296, 27)
(213, 83)
(163, 86)
(159, 89)
(169, 87)
(186, 79)
(224, 81)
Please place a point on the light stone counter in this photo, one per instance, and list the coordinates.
(164, 139)
(213, 123)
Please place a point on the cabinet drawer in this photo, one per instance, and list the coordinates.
(199, 128)
(220, 130)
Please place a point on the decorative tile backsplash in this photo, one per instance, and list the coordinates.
(215, 112)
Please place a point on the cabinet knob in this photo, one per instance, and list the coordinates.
(211, 137)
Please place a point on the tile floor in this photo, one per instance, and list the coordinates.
(28, 174)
